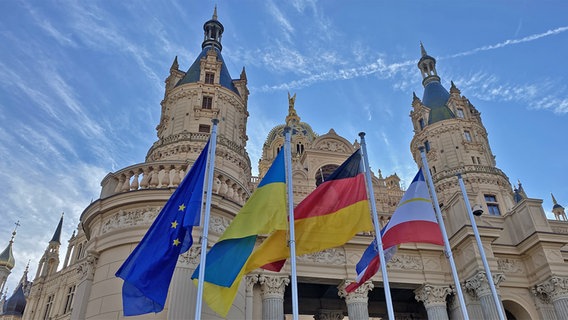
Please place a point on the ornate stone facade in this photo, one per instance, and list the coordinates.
(524, 249)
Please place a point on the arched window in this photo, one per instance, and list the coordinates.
(324, 172)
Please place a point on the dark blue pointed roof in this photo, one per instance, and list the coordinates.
(192, 75)
(16, 304)
(57, 234)
(436, 97)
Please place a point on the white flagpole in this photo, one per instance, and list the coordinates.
(292, 241)
(205, 230)
(444, 234)
(481, 251)
(371, 194)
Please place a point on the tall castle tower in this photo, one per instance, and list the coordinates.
(131, 198)
(455, 140)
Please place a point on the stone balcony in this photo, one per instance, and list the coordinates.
(169, 174)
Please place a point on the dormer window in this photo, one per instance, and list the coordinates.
(459, 112)
(421, 123)
(209, 78)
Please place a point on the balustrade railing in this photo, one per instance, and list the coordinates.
(169, 174)
(450, 173)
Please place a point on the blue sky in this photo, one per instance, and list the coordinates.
(81, 84)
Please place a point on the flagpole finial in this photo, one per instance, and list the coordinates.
(362, 134)
(459, 175)
(215, 121)
(421, 148)
(286, 129)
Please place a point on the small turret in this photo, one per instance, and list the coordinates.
(50, 260)
(558, 210)
(213, 30)
(7, 261)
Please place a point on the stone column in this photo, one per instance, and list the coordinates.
(357, 301)
(86, 270)
(327, 314)
(478, 286)
(556, 289)
(434, 299)
(272, 292)
(250, 281)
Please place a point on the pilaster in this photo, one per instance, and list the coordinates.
(250, 281)
(86, 270)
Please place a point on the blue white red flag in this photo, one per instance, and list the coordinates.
(414, 220)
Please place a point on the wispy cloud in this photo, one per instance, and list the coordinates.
(509, 42)
(542, 95)
(485, 86)
(283, 22)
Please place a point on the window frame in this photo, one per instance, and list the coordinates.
(207, 102)
(209, 78)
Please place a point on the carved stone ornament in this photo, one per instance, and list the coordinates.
(272, 286)
(324, 314)
(86, 268)
(360, 295)
(432, 295)
(332, 256)
(250, 281)
(478, 286)
(405, 261)
(130, 218)
(191, 257)
(218, 224)
(510, 265)
(553, 289)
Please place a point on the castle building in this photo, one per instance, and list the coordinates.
(526, 251)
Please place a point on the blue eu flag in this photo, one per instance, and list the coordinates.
(148, 270)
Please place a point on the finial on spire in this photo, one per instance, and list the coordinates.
(14, 232)
(175, 66)
(422, 50)
(214, 13)
(553, 199)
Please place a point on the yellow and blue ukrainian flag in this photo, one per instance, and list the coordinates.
(264, 212)
(148, 271)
